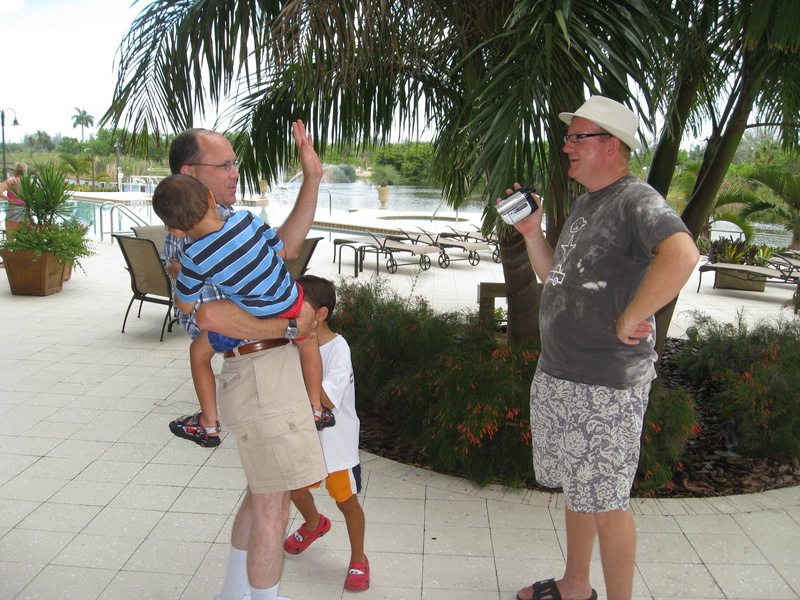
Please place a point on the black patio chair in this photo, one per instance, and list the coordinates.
(149, 280)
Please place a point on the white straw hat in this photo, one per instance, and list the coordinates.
(615, 118)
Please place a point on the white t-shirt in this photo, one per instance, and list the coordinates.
(340, 442)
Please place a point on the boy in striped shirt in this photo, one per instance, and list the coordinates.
(243, 256)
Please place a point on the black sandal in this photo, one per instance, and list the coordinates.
(190, 428)
(324, 418)
(548, 590)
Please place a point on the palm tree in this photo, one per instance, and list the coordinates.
(75, 166)
(82, 118)
(772, 192)
(39, 140)
(43, 139)
(729, 60)
(30, 142)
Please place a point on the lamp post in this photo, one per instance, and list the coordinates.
(3, 120)
(119, 179)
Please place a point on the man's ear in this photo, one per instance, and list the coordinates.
(179, 233)
(187, 170)
(615, 144)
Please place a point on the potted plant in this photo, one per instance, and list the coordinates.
(384, 176)
(728, 250)
(39, 256)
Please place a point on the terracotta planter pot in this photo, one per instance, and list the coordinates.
(28, 276)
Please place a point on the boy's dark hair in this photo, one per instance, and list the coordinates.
(181, 201)
(319, 292)
(184, 149)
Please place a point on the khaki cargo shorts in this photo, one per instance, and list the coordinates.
(263, 402)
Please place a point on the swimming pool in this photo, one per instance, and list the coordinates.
(341, 207)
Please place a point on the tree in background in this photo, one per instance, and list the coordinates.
(768, 192)
(40, 140)
(75, 165)
(69, 145)
(728, 60)
(82, 118)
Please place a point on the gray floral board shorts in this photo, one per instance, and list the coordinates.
(586, 440)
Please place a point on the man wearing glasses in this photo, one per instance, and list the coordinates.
(622, 255)
(260, 389)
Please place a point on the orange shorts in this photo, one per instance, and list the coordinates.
(341, 484)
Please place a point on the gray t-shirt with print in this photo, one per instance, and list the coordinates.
(601, 258)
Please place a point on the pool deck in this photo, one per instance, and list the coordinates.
(99, 501)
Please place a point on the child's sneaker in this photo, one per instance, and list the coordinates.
(189, 427)
(357, 576)
(323, 418)
(303, 538)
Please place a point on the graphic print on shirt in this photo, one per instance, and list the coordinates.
(557, 274)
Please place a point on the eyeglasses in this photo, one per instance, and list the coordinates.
(228, 165)
(576, 137)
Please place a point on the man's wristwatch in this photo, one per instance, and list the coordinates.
(292, 331)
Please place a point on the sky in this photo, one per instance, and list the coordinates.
(59, 56)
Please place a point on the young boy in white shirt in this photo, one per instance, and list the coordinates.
(339, 444)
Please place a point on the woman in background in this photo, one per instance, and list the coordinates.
(15, 213)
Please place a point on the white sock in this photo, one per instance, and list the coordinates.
(267, 594)
(236, 584)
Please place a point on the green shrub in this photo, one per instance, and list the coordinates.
(717, 347)
(668, 423)
(389, 335)
(757, 371)
(764, 399)
(471, 410)
(456, 390)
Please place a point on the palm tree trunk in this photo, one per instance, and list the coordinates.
(522, 289)
(665, 155)
(715, 166)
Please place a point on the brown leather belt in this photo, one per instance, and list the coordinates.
(255, 347)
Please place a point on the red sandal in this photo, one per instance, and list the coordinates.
(303, 538)
(357, 576)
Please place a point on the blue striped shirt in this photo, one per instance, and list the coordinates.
(241, 260)
(173, 248)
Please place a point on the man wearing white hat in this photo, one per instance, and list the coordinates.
(622, 255)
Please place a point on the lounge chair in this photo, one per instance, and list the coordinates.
(355, 244)
(752, 273)
(389, 247)
(445, 244)
(477, 236)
